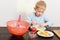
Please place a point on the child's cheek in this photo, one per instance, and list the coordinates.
(39, 14)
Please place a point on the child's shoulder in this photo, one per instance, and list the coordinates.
(31, 14)
(43, 15)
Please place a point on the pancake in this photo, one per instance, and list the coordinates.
(44, 33)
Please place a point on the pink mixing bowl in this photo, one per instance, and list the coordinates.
(15, 30)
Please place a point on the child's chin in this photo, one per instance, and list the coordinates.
(38, 15)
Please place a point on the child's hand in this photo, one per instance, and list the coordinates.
(34, 22)
(43, 24)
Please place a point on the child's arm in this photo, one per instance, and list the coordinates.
(29, 20)
(47, 21)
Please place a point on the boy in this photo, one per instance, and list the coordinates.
(37, 17)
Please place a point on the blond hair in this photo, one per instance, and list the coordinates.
(40, 4)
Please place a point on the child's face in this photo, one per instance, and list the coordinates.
(39, 11)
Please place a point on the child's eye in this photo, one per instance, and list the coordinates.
(39, 11)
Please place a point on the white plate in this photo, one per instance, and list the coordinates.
(39, 29)
(50, 34)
